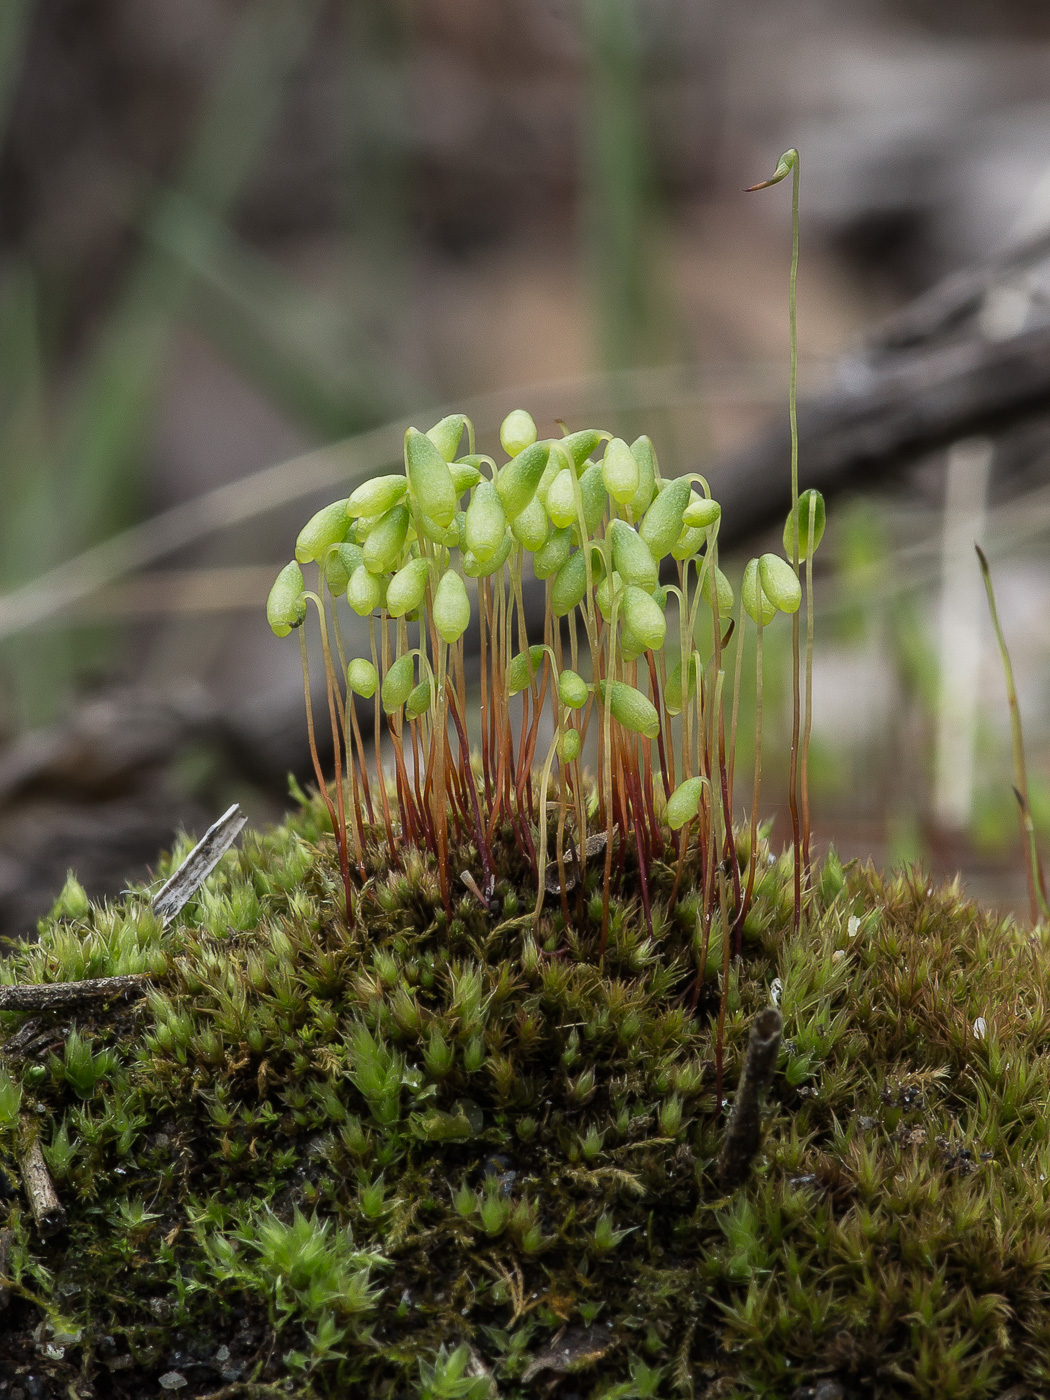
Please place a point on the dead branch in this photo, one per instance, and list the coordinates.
(57, 996)
(199, 864)
(744, 1130)
(40, 1189)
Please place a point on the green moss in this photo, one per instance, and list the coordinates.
(370, 1159)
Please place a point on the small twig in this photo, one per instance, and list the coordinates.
(744, 1130)
(43, 1198)
(56, 996)
(199, 864)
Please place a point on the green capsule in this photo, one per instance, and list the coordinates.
(466, 473)
(572, 689)
(286, 605)
(642, 615)
(548, 560)
(631, 708)
(474, 567)
(689, 543)
(580, 445)
(448, 535)
(684, 802)
(377, 496)
(662, 523)
(606, 593)
(429, 478)
(418, 702)
(780, 583)
(632, 556)
(365, 591)
(386, 540)
(561, 498)
(673, 688)
(329, 526)
(810, 503)
(531, 526)
(570, 584)
(594, 495)
(645, 455)
(339, 563)
(725, 593)
(524, 667)
(620, 471)
(361, 677)
(660, 597)
(569, 746)
(518, 480)
(701, 512)
(751, 592)
(517, 431)
(398, 683)
(406, 589)
(446, 435)
(486, 522)
(451, 610)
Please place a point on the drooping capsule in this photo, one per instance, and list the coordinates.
(780, 583)
(642, 615)
(517, 431)
(474, 567)
(524, 667)
(486, 522)
(620, 471)
(662, 523)
(429, 478)
(569, 746)
(561, 498)
(365, 591)
(548, 560)
(406, 589)
(418, 702)
(632, 557)
(385, 541)
(751, 593)
(377, 496)
(339, 563)
(518, 480)
(572, 689)
(684, 802)
(328, 526)
(594, 496)
(451, 610)
(702, 512)
(810, 507)
(398, 683)
(466, 473)
(446, 435)
(724, 590)
(361, 677)
(630, 708)
(645, 455)
(570, 584)
(531, 526)
(286, 605)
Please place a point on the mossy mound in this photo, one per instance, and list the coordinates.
(437, 1157)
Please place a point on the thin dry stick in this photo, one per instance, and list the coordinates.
(59, 996)
(199, 864)
(40, 1189)
(1033, 866)
(744, 1129)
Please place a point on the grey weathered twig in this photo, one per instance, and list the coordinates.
(744, 1130)
(43, 1198)
(199, 864)
(57, 996)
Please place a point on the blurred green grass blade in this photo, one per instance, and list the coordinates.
(106, 436)
(306, 352)
(618, 180)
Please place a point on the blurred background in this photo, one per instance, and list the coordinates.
(243, 242)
